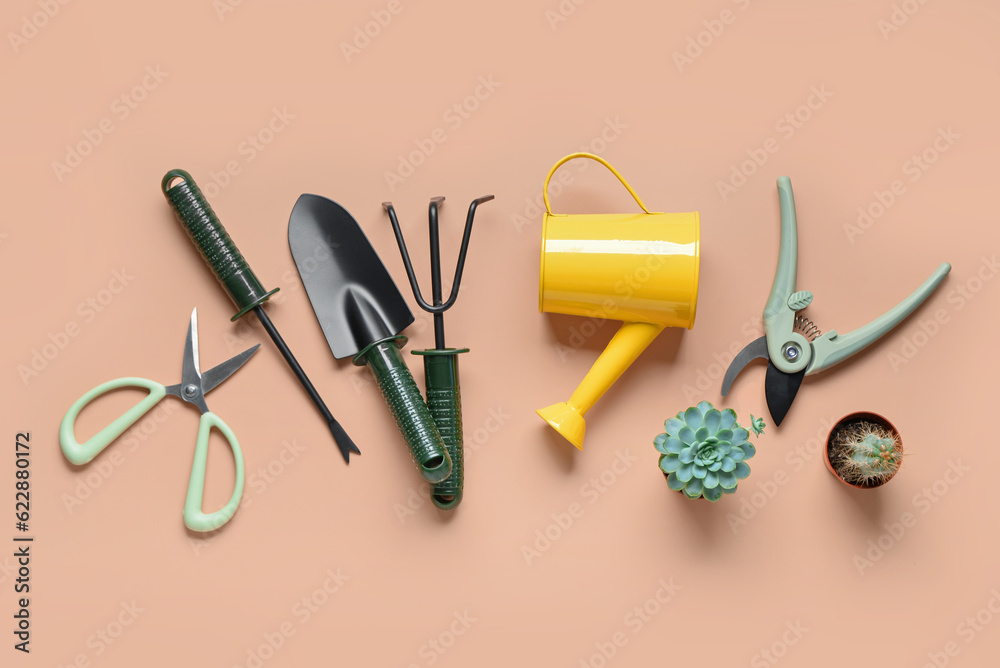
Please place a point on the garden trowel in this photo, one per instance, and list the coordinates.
(362, 313)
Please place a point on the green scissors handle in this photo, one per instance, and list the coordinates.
(82, 453)
(194, 518)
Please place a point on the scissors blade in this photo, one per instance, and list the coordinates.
(190, 373)
(780, 389)
(753, 350)
(220, 372)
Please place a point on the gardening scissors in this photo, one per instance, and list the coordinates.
(792, 345)
(193, 387)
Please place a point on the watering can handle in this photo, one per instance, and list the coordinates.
(571, 156)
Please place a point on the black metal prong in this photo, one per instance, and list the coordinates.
(437, 307)
(406, 257)
(460, 265)
(435, 244)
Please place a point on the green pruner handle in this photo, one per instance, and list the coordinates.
(412, 417)
(194, 518)
(444, 401)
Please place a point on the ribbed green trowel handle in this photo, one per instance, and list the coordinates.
(408, 408)
(444, 401)
(216, 246)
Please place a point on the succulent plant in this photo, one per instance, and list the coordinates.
(866, 454)
(757, 425)
(704, 452)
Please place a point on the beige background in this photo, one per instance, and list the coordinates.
(788, 581)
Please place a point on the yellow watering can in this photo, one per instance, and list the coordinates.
(641, 268)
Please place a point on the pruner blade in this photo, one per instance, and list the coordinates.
(753, 350)
(780, 389)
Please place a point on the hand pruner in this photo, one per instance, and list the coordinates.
(792, 345)
(193, 387)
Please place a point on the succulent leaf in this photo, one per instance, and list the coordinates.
(713, 419)
(728, 480)
(713, 493)
(673, 446)
(673, 426)
(693, 417)
(669, 464)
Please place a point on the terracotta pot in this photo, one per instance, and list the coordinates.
(858, 417)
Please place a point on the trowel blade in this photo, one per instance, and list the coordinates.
(351, 292)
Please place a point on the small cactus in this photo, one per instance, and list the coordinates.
(866, 454)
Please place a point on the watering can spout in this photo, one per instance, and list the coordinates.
(629, 341)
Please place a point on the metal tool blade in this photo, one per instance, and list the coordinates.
(780, 389)
(190, 372)
(220, 372)
(351, 292)
(753, 350)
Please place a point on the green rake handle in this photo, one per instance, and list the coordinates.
(444, 401)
